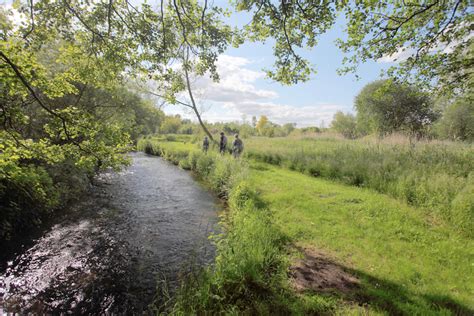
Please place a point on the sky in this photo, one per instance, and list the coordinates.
(243, 90)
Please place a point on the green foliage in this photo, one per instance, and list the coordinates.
(57, 124)
(262, 124)
(171, 125)
(345, 124)
(385, 106)
(283, 23)
(457, 122)
(27, 194)
(435, 36)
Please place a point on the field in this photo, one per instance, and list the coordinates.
(385, 254)
(438, 177)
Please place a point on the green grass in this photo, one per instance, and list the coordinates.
(438, 177)
(407, 262)
(407, 265)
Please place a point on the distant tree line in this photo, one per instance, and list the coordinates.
(261, 126)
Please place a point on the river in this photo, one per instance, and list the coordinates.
(124, 246)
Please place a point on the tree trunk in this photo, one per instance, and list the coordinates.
(193, 103)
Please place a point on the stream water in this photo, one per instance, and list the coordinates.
(137, 230)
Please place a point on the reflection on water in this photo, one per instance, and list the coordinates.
(135, 228)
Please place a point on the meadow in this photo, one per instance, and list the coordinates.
(404, 260)
(436, 176)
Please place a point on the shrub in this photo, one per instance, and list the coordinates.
(193, 158)
(204, 165)
(184, 164)
(170, 138)
(27, 194)
(244, 196)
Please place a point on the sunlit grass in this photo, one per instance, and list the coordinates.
(438, 177)
(406, 264)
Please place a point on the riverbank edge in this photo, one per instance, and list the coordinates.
(250, 272)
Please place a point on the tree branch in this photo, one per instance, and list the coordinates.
(163, 97)
(32, 16)
(77, 15)
(194, 107)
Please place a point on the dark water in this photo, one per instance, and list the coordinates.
(137, 229)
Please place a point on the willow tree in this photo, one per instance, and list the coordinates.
(432, 39)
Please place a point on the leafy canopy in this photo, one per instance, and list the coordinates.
(385, 106)
(435, 35)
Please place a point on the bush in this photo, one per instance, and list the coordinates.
(27, 194)
(184, 164)
(244, 196)
(204, 165)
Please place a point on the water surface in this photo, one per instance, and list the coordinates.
(136, 229)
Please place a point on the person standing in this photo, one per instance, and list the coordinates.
(222, 143)
(237, 146)
(205, 144)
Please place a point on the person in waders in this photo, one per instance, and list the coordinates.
(205, 144)
(222, 143)
(237, 146)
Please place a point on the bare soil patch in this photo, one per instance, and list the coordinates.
(317, 272)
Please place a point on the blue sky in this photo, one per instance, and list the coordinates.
(307, 104)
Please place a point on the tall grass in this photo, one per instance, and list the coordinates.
(436, 176)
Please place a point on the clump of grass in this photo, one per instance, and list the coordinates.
(433, 176)
(249, 267)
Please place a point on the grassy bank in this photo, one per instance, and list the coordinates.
(405, 262)
(438, 177)
(407, 265)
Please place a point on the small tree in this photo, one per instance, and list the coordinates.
(385, 106)
(457, 122)
(261, 124)
(288, 128)
(171, 124)
(345, 124)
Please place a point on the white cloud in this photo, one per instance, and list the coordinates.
(236, 83)
(401, 55)
(282, 113)
(237, 95)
